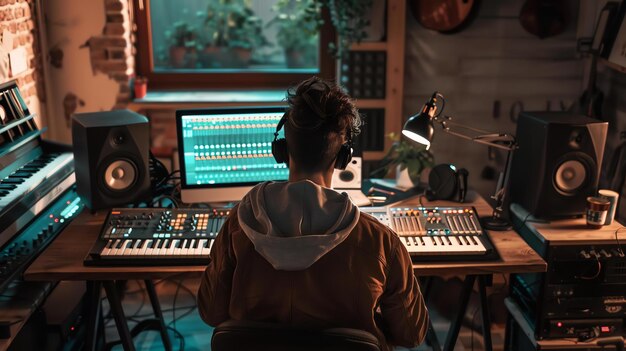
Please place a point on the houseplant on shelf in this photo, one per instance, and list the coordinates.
(348, 17)
(407, 159)
(298, 23)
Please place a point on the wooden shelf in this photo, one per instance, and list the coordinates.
(612, 65)
(143, 106)
(373, 155)
(371, 103)
(370, 46)
(394, 46)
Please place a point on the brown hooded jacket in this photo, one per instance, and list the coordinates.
(299, 254)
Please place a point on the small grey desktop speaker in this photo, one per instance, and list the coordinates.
(349, 178)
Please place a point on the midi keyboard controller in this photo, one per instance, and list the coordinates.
(438, 233)
(153, 236)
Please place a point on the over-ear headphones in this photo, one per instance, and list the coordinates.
(344, 156)
(446, 182)
(281, 155)
(279, 146)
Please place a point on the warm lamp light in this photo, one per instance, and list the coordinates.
(420, 129)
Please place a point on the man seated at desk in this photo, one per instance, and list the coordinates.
(298, 253)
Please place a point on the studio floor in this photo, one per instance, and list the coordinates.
(180, 292)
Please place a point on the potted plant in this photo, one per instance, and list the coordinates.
(209, 39)
(298, 23)
(232, 31)
(182, 50)
(408, 159)
(244, 35)
(348, 17)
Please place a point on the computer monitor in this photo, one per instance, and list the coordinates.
(224, 152)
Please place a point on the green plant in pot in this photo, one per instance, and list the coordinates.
(297, 23)
(404, 156)
(182, 45)
(210, 36)
(233, 31)
(348, 17)
(244, 36)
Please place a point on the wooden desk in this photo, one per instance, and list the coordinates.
(515, 255)
(63, 260)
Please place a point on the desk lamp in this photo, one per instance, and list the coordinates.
(420, 128)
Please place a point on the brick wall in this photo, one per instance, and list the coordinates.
(112, 53)
(18, 17)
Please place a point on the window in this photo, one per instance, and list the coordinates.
(230, 43)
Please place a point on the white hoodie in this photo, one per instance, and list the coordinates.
(294, 224)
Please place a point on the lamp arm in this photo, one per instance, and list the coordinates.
(501, 141)
(448, 120)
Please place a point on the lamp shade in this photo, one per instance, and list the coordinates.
(419, 128)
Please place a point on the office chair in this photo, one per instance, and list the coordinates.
(243, 335)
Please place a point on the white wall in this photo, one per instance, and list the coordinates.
(494, 59)
(69, 24)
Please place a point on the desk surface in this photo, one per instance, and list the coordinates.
(63, 259)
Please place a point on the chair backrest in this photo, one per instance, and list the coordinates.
(244, 335)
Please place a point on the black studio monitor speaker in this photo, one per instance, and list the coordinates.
(558, 162)
(111, 157)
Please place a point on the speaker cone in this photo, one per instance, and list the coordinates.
(570, 176)
(120, 175)
(346, 176)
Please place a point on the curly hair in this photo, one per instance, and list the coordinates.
(319, 116)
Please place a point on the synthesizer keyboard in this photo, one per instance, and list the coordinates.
(157, 236)
(437, 233)
(37, 201)
(30, 175)
(161, 236)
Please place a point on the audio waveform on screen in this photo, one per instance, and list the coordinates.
(231, 148)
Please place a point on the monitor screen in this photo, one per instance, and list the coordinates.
(224, 152)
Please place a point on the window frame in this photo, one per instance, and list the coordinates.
(208, 80)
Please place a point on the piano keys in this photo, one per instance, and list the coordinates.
(443, 245)
(160, 236)
(157, 236)
(437, 233)
(151, 248)
(37, 197)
